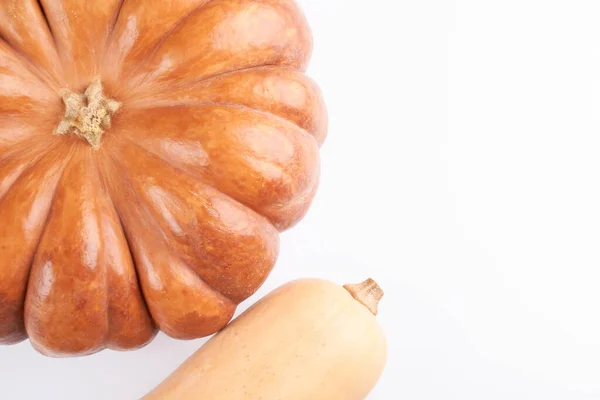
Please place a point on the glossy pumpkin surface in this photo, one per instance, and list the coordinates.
(150, 153)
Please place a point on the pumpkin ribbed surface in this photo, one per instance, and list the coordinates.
(150, 153)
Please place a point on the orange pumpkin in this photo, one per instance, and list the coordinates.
(150, 152)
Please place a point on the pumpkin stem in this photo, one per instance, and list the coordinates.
(368, 293)
(87, 115)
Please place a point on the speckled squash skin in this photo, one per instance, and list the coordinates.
(173, 219)
(323, 342)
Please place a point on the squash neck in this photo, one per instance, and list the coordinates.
(87, 115)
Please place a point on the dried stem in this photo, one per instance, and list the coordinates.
(87, 115)
(367, 293)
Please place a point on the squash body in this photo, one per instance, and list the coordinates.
(309, 339)
(208, 136)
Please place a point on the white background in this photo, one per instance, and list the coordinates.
(462, 172)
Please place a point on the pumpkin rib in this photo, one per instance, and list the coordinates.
(127, 234)
(80, 29)
(155, 309)
(303, 195)
(256, 221)
(24, 165)
(81, 255)
(104, 180)
(153, 20)
(149, 216)
(26, 131)
(26, 63)
(102, 190)
(106, 189)
(27, 31)
(109, 38)
(128, 243)
(211, 77)
(164, 37)
(7, 133)
(48, 26)
(308, 191)
(165, 90)
(31, 146)
(26, 73)
(33, 337)
(265, 32)
(183, 171)
(135, 271)
(262, 112)
(30, 66)
(26, 143)
(211, 89)
(26, 268)
(241, 106)
(58, 178)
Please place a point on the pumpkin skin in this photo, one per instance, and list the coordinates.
(172, 218)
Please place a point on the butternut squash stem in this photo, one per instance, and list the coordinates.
(368, 293)
(87, 115)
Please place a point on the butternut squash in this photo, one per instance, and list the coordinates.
(309, 339)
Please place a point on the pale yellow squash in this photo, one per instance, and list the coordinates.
(308, 340)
